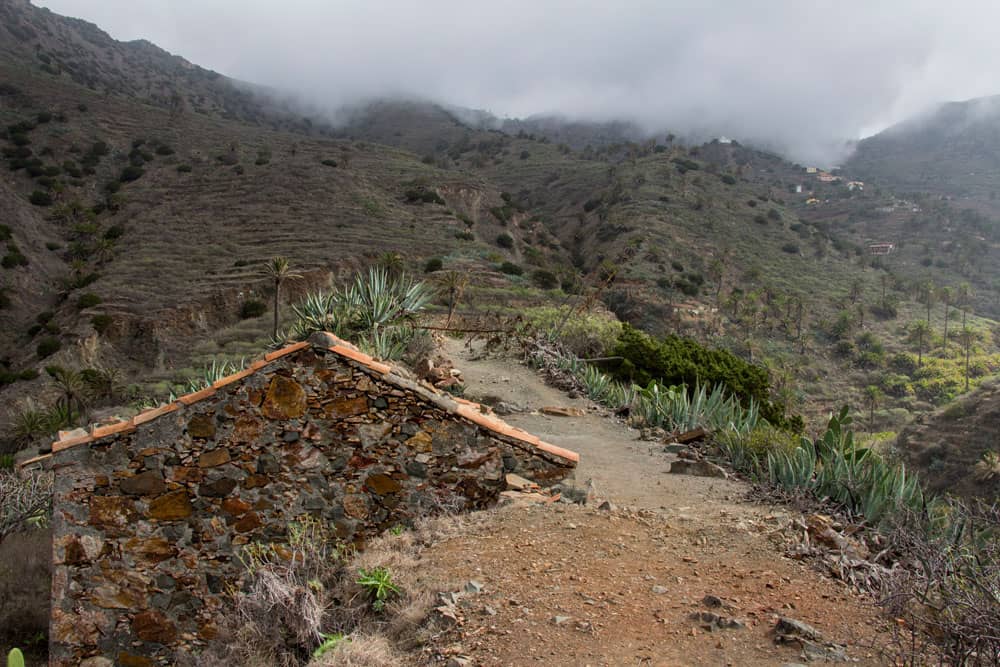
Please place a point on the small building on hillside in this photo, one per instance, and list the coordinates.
(150, 514)
(856, 185)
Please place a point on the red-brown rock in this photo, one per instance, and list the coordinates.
(111, 511)
(149, 483)
(214, 457)
(286, 399)
(347, 407)
(171, 506)
(153, 626)
(201, 426)
(250, 521)
(382, 484)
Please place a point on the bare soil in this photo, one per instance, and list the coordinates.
(570, 585)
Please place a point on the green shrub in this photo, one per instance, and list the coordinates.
(14, 258)
(544, 279)
(88, 300)
(727, 179)
(329, 163)
(683, 361)
(183, 168)
(40, 198)
(131, 173)
(505, 240)
(433, 264)
(422, 195)
(587, 335)
(164, 149)
(114, 232)
(791, 248)
(511, 269)
(47, 347)
(252, 308)
(101, 322)
(773, 214)
(465, 236)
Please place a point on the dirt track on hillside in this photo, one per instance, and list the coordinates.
(571, 585)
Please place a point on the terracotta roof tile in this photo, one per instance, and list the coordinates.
(66, 443)
(111, 429)
(189, 399)
(33, 460)
(236, 377)
(469, 410)
(288, 349)
(153, 413)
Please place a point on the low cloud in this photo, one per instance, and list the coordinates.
(799, 77)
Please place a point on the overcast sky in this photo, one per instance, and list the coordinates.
(799, 75)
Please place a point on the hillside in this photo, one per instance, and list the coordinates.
(952, 150)
(956, 440)
(143, 194)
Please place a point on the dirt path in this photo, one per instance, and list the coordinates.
(622, 468)
(570, 585)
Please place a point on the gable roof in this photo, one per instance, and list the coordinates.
(468, 410)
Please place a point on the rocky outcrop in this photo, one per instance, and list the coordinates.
(150, 515)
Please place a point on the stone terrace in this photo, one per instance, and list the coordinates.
(150, 514)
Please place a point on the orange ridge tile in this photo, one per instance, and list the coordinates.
(60, 445)
(111, 429)
(567, 454)
(288, 349)
(34, 459)
(235, 377)
(153, 413)
(197, 396)
(354, 355)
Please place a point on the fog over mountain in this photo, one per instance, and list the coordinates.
(799, 77)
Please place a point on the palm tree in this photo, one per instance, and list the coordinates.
(966, 338)
(74, 388)
(392, 262)
(964, 298)
(454, 284)
(278, 270)
(920, 331)
(874, 395)
(928, 293)
(946, 296)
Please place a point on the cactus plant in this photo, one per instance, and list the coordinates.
(15, 658)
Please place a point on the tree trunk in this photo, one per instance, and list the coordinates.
(277, 290)
(968, 344)
(946, 327)
(920, 350)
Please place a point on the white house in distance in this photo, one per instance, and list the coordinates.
(856, 185)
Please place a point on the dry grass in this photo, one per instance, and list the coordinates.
(299, 593)
(361, 651)
(25, 580)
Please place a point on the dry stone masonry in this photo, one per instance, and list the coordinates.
(150, 514)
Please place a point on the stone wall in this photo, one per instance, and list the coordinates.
(148, 521)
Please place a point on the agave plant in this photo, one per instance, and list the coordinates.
(376, 310)
(214, 372)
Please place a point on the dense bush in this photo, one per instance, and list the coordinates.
(511, 269)
(544, 279)
(40, 198)
(505, 240)
(791, 248)
(183, 168)
(329, 163)
(422, 195)
(433, 264)
(88, 300)
(47, 347)
(674, 361)
(13, 258)
(101, 322)
(131, 173)
(727, 179)
(252, 308)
